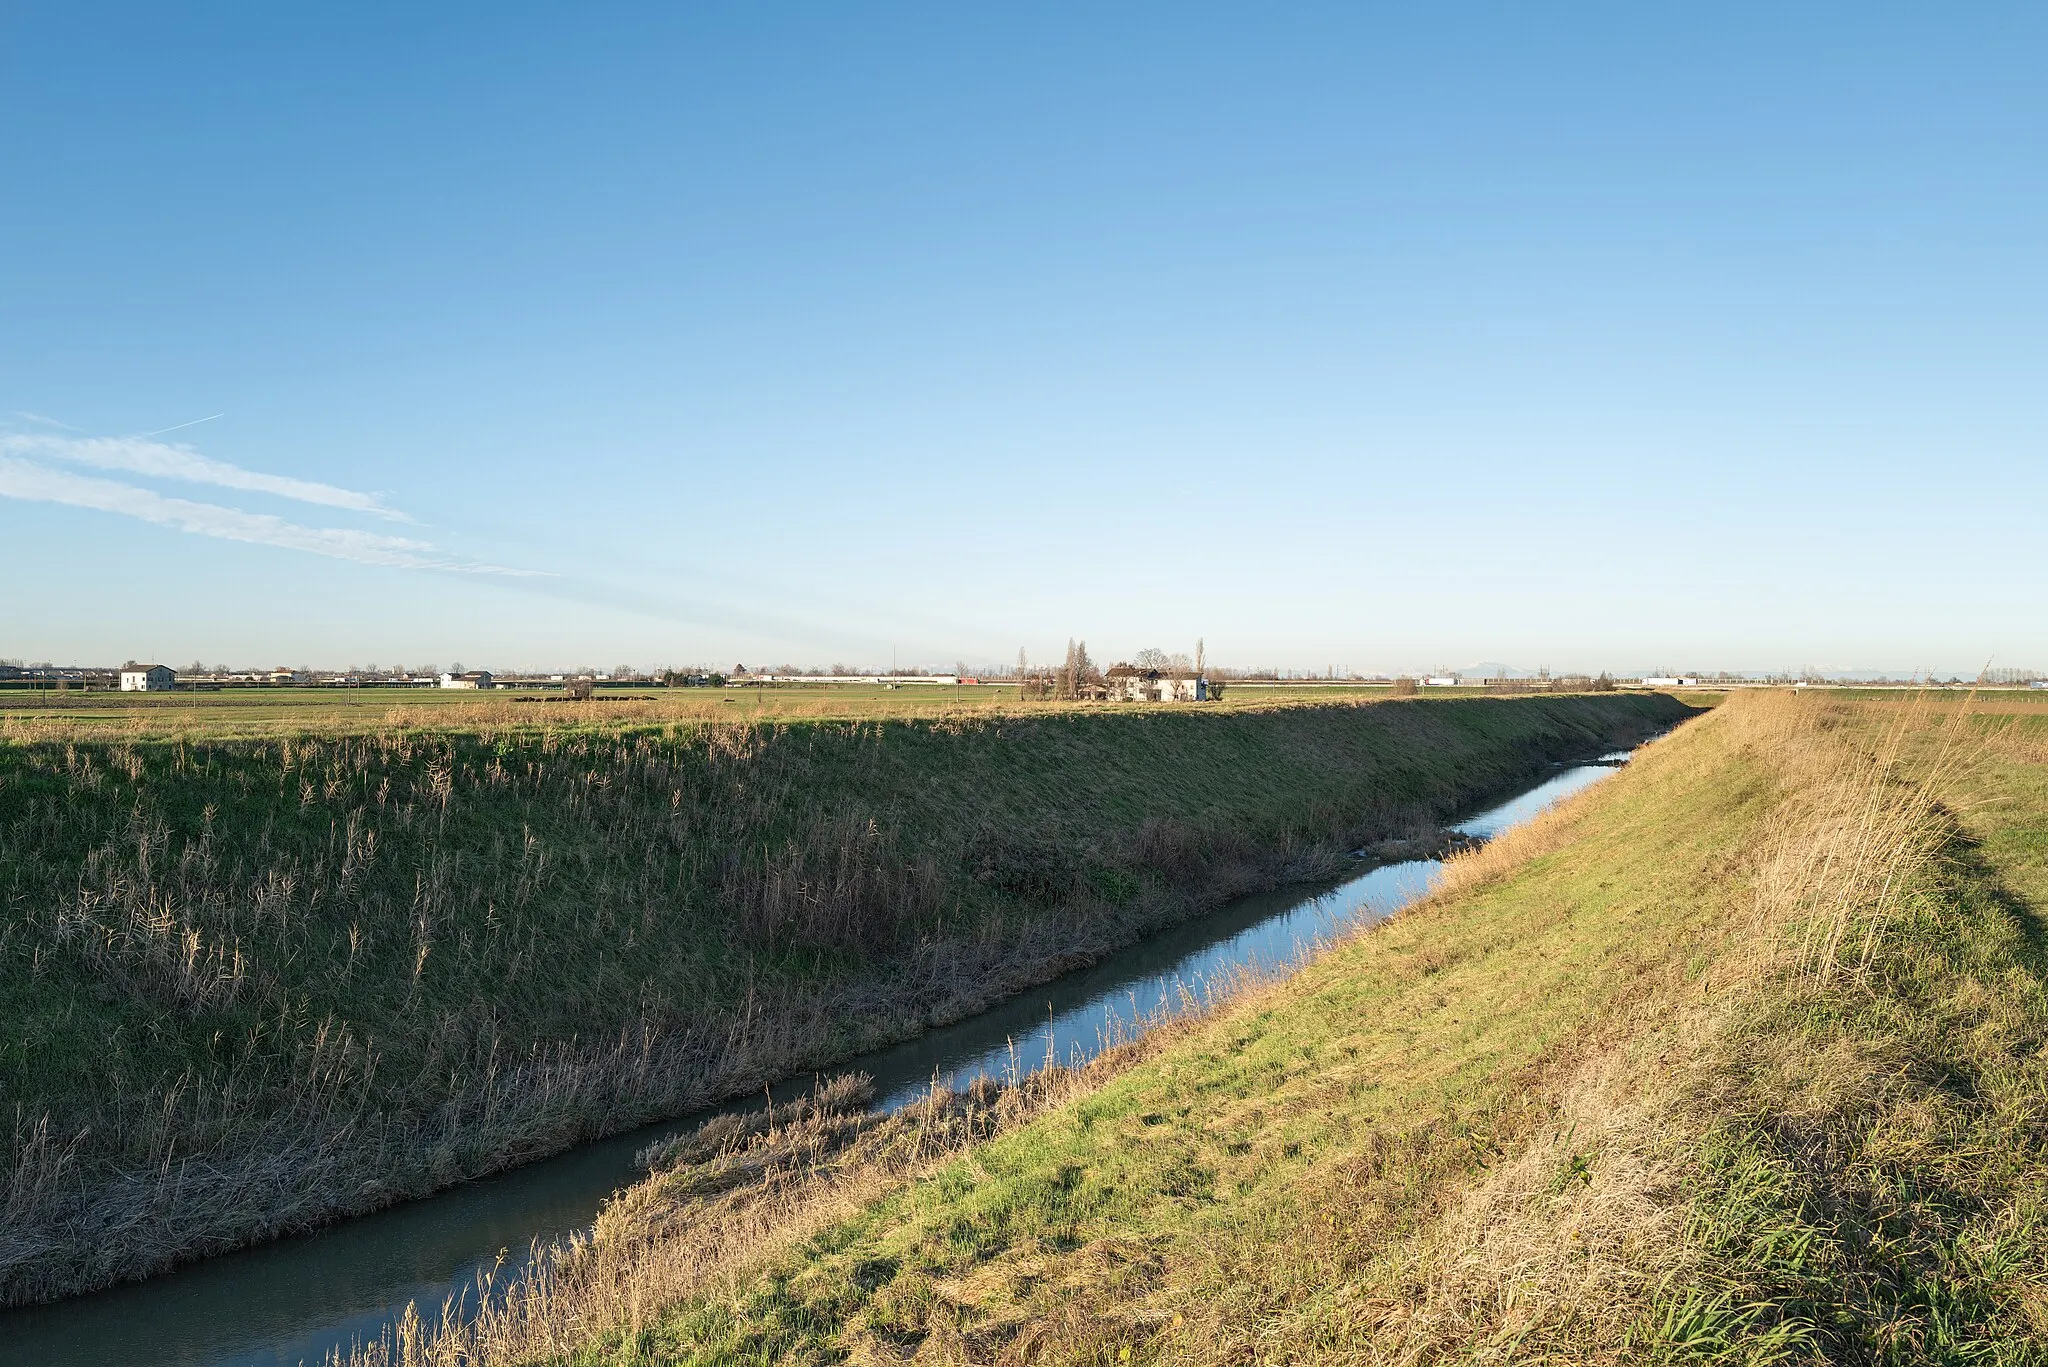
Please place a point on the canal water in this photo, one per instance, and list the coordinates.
(294, 1300)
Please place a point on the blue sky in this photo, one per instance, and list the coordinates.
(1382, 337)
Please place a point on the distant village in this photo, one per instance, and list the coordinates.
(1152, 676)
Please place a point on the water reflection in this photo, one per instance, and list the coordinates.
(294, 1300)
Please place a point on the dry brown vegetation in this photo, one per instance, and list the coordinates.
(721, 1201)
(255, 983)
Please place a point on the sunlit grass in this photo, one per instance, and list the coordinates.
(1736, 1058)
(251, 982)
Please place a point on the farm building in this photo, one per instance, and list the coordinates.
(1129, 683)
(475, 678)
(148, 679)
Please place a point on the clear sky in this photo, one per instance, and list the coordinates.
(1377, 336)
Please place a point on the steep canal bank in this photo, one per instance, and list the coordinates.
(256, 985)
(298, 1299)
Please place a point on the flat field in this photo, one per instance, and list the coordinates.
(285, 711)
(278, 711)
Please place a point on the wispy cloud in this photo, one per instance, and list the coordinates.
(175, 460)
(39, 419)
(24, 479)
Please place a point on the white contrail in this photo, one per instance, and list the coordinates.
(175, 426)
(174, 460)
(21, 479)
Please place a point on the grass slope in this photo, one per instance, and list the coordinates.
(249, 983)
(1738, 1058)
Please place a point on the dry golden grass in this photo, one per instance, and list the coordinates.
(1572, 1241)
(722, 1203)
(1559, 1249)
(1736, 1059)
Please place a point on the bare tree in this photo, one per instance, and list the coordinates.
(1077, 673)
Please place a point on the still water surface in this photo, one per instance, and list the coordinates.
(293, 1301)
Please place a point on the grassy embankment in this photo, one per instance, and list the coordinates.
(1740, 1057)
(253, 982)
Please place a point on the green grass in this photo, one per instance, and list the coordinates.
(1589, 1107)
(274, 978)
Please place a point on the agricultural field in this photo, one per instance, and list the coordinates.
(277, 711)
(1739, 1057)
(283, 711)
(262, 971)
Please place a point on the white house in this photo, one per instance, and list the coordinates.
(1129, 683)
(475, 678)
(148, 679)
(1674, 682)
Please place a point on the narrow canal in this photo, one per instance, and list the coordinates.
(298, 1299)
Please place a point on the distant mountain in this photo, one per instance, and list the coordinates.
(1493, 669)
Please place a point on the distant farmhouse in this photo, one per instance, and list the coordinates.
(1129, 683)
(475, 678)
(148, 679)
